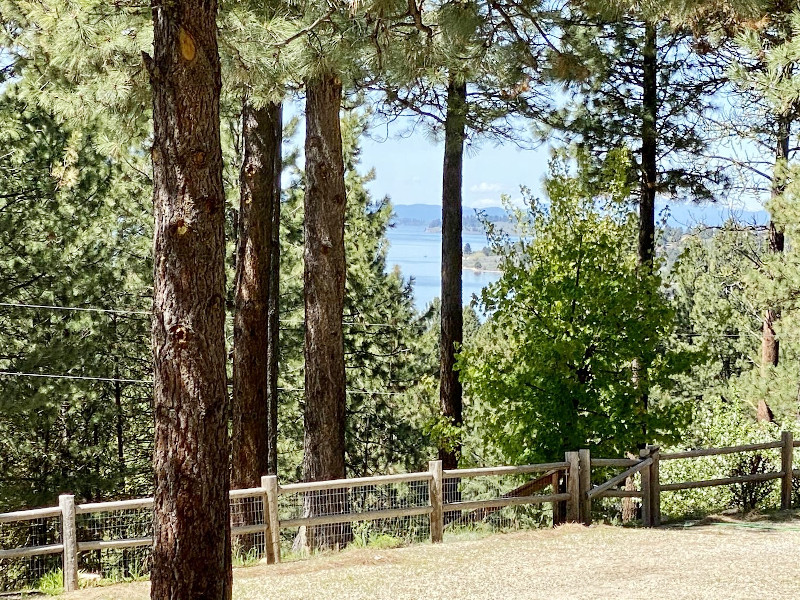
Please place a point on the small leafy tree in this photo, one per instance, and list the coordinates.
(553, 368)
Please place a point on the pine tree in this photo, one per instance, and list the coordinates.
(72, 236)
(465, 69)
(762, 73)
(636, 84)
(191, 455)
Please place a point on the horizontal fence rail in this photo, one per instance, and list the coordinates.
(434, 499)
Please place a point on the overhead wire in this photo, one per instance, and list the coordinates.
(127, 311)
(150, 382)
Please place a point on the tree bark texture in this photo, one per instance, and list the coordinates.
(324, 286)
(451, 313)
(192, 549)
(273, 304)
(253, 411)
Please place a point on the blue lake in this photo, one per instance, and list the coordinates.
(418, 255)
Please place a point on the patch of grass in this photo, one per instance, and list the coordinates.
(52, 583)
(246, 559)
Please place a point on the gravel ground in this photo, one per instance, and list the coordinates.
(713, 559)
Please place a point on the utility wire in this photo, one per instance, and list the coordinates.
(80, 377)
(76, 309)
(147, 312)
(150, 381)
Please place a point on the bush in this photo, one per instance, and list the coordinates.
(751, 495)
(719, 424)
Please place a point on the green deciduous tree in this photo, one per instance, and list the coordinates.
(554, 368)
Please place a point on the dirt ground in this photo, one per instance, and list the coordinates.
(718, 558)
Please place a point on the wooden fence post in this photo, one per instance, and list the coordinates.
(437, 499)
(272, 530)
(655, 487)
(786, 466)
(585, 484)
(69, 537)
(647, 497)
(573, 487)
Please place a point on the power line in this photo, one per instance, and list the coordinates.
(150, 382)
(76, 309)
(149, 313)
(79, 377)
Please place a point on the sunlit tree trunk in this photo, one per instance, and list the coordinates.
(451, 301)
(192, 542)
(324, 285)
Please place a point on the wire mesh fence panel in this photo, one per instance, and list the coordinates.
(393, 532)
(497, 487)
(355, 508)
(30, 572)
(115, 564)
(249, 546)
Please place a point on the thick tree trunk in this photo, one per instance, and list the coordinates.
(192, 549)
(451, 314)
(324, 279)
(260, 191)
(253, 413)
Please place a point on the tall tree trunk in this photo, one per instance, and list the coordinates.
(647, 214)
(647, 203)
(253, 434)
(260, 182)
(192, 540)
(769, 341)
(324, 284)
(452, 319)
(273, 303)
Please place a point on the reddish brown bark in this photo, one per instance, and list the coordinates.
(324, 284)
(254, 416)
(191, 551)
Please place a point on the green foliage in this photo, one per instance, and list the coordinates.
(52, 583)
(715, 311)
(553, 369)
(720, 423)
(72, 233)
(602, 62)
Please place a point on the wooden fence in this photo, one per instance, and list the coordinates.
(572, 494)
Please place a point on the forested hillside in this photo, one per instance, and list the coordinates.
(195, 290)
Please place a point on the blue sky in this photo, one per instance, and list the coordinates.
(409, 169)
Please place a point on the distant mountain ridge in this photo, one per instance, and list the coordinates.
(425, 214)
(681, 214)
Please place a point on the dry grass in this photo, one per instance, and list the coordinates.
(719, 558)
